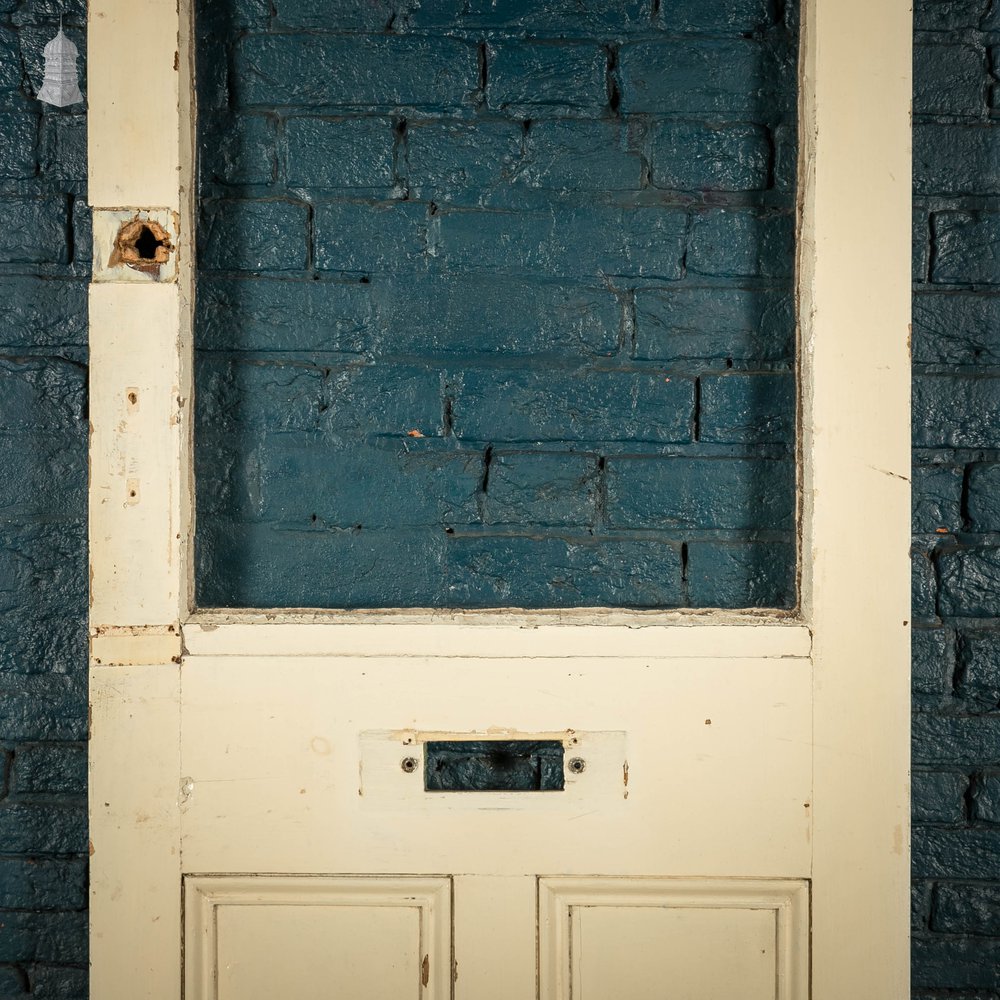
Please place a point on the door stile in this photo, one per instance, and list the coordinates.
(854, 276)
(140, 171)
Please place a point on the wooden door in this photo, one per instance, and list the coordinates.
(729, 812)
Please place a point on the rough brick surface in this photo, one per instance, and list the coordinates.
(501, 291)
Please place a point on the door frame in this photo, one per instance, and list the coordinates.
(853, 280)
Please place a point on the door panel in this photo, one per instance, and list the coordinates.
(258, 937)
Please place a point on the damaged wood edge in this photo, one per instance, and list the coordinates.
(142, 244)
(128, 646)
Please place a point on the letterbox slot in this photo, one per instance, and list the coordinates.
(494, 766)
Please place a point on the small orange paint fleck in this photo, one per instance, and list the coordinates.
(941, 531)
(414, 434)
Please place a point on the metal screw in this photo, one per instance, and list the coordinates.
(577, 765)
(409, 764)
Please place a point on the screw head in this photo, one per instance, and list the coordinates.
(577, 765)
(409, 764)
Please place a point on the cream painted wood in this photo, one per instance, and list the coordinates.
(760, 746)
(255, 937)
(649, 938)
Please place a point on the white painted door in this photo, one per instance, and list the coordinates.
(733, 821)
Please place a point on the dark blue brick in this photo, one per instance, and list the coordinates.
(42, 312)
(567, 18)
(64, 147)
(700, 493)
(986, 797)
(945, 853)
(731, 77)
(637, 242)
(543, 406)
(45, 473)
(56, 982)
(481, 314)
(737, 242)
(967, 908)
(949, 80)
(10, 60)
(938, 796)
(43, 829)
(921, 245)
(44, 707)
(937, 498)
(961, 963)
(34, 230)
(237, 149)
(741, 574)
(558, 573)
(365, 239)
(923, 586)
(262, 314)
(738, 323)
(979, 678)
(736, 17)
(948, 15)
(747, 408)
(350, 153)
(965, 248)
(29, 938)
(83, 237)
(531, 79)
(51, 769)
(965, 740)
(956, 412)
(956, 328)
(688, 156)
(18, 159)
(575, 156)
(44, 12)
(43, 885)
(933, 661)
(337, 15)
(541, 488)
(41, 395)
(254, 236)
(984, 497)
(461, 162)
(786, 158)
(955, 159)
(13, 983)
(369, 72)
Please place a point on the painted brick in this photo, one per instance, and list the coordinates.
(51, 769)
(83, 237)
(556, 406)
(43, 885)
(736, 243)
(489, 314)
(970, 582)
(786, 158)
(45, 473)
(741, 574)
(390, 486)
(13, 983)
(923, 586)
(730, 77)
(967, 964)
(10, 60)
(254, 236)
(40, 566)
(949, 80)
(737, 323)
(967, 908)
(967, 740)
(18, 157)
(541, 488)
(42, 312)
(700, 493)
(44, 11)
(42, 707)
(588, 243)
(34, 231)
(41, 394)
(53, 982)
(338, 15)
(933, 661)
(531, 79)
(956, 328)
(43, 829)
(735, 17)
(937, 498)
(986, 798)
(965, 245)
(955, 159)
(979, 678)
(948, 15)
(261, 314)
(351, 153)
(462, 163)
(578, 156)
(557, 573)
(921, 245)
(687, 156)
(956, 412)
(959, 854)
(237, 149)
(938, 796)
(43, 937)
(747, 408)
(369, 72)
(64, 147)
(569, 18)
(358, 238)
(984, 497)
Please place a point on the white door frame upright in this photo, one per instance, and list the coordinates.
(853, 620)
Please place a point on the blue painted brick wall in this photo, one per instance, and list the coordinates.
(495, 303)
(43, 569)
(956, 514)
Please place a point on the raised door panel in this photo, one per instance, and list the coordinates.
(257, 937)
